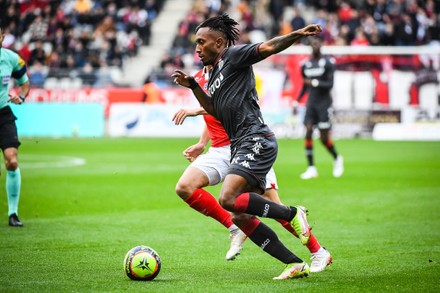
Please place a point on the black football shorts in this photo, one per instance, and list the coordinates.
(8, 129)
(320, 115)
(253, 157)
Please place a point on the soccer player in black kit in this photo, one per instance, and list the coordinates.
(318, 74)
(233, 100)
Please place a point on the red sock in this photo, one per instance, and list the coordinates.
(286, 225)
(249, 227)
(205, 203)
(313, 244)
(329, 144)
(241, 203)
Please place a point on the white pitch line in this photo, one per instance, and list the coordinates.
(50, 161)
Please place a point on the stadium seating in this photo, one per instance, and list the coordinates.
(110, 34)
(64, 36)
(366, 22)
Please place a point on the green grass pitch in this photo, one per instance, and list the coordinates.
(86, 202)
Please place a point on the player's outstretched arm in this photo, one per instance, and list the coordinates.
(280, 43)
(183, 79)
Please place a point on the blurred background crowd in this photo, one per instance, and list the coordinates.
(89, 40)
(83, 39)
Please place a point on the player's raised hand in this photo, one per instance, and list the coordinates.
(311, 30)
(181, 78)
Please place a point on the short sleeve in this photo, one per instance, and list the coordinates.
(244, 55)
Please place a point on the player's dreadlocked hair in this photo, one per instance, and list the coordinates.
(224, 24)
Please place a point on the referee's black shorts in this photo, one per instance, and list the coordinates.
(253, 157)
(8, 129)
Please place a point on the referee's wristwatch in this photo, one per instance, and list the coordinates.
(22, 97)
(315, 82)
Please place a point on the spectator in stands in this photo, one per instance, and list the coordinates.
(88, 75)
(23, 50)
(181, 42)
(405, 31)
(422, 23)
(38, 53)
(53, 60)
(8, 38)
(37, 75)
(433, 31)
(67, 68)
(63, 24)
(79, 53)
(138, 20)
(38, 29)
(11, 16)
(83, 6)
(374, 37)
(360, 39)
(298, 21)
(321, 18)
(152, 93)
(345, 12)
(387, 37)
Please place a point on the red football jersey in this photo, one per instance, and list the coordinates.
(216, 132)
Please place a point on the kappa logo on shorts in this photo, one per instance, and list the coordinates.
(256, 148)
(238, 161)
(245, 164)
(250, 157)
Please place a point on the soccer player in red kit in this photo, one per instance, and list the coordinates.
(211, 168)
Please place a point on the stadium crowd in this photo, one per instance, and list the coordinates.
(344, 22)
(87, 41)
(81, 40)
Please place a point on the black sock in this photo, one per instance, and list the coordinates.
(267, 240)
(309, 151)
(262, 207)
(333, 152)
(292, 214)
(331, 149)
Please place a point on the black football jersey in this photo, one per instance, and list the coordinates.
(322, 70)
(232, 89)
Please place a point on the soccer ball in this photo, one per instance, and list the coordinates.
(142, 263)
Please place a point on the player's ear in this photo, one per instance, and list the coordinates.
(220, 42)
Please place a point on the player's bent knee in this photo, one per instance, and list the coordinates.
(240, 219)
(227, 202)
(184, 190)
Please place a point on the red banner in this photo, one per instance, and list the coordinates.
(106, 96)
